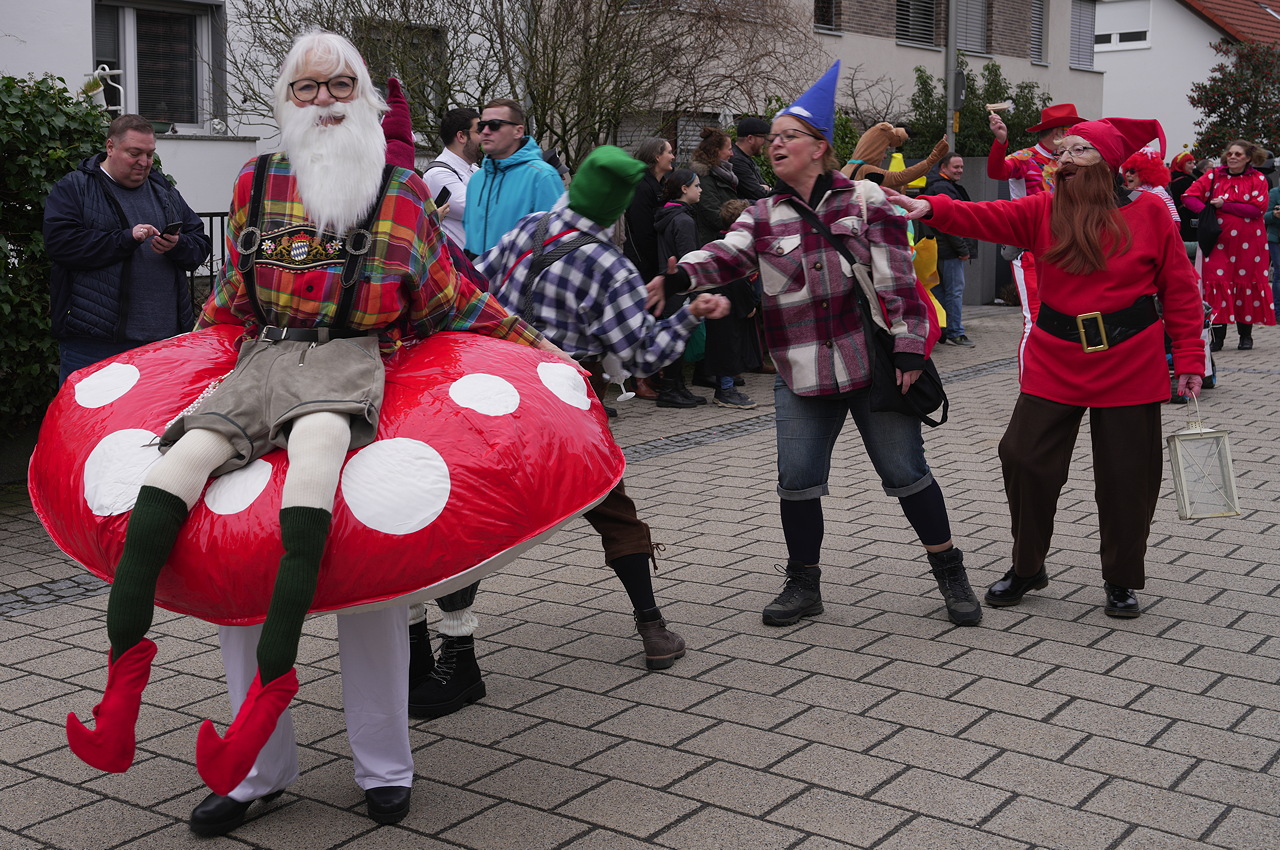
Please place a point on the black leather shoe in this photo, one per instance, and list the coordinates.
(388, 804)
(218, 815)
(1121, 602)
(1010, 589)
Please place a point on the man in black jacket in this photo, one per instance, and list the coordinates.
(121, 240)
(750, 141)
(953, 251)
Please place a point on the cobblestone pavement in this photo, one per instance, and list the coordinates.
(876, 725)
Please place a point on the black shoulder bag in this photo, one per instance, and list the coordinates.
(925, 395)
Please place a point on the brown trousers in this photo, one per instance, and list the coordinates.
(1035, 456)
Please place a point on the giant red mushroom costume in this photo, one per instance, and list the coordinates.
(484, 449)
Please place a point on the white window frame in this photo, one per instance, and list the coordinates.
(128, 33)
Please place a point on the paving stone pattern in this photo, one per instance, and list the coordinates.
(877, 725)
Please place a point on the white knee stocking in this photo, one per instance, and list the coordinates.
(317, 449)
(185, 468)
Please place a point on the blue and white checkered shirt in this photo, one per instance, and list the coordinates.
(591, 301)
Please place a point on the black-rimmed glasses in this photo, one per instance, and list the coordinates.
(307, 90)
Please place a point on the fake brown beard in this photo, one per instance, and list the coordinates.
(1085, 221)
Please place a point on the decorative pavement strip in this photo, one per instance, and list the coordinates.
(40, 596)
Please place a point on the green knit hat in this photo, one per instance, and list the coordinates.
(605, 183)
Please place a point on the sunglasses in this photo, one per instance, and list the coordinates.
(493, 125)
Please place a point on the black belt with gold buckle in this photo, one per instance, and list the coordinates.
(1099, 331)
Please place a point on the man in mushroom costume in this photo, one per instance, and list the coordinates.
(333, 259)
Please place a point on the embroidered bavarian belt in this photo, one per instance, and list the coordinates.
(1099, 331)
(274, 334)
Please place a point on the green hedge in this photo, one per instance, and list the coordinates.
(45, 130)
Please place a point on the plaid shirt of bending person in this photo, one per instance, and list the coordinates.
(590, 302)
(811, 318)
(408, 288)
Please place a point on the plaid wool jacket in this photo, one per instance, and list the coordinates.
(408, 288)
(811, 319)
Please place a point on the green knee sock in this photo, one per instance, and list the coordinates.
(153, 528)
(304, 532)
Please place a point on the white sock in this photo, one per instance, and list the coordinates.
(458, 623)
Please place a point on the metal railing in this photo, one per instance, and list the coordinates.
(201, 280)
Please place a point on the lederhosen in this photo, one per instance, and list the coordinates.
(287, 372)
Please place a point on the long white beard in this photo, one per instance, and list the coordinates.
(338, 166)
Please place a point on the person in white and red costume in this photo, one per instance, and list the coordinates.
(1029, 172)
(333, 258)
(1104, 256)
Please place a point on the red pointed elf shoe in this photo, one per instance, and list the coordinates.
(224, 762)
(110, 746)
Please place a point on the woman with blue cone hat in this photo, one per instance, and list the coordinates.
(814, 331)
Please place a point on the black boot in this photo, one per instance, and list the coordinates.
(801, 596)
(669, 394)
(683, 389)
(948, 570)
(421, 661)
(1246, 336)
(1217, 336)
(1012, 587)
(453, 683)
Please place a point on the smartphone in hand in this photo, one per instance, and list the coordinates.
(172, 228)
(443, 197)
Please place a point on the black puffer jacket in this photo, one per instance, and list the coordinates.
(91, 244)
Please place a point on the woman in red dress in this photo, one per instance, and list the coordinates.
(1235, 271)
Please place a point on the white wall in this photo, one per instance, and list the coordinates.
(205, 167)
(1154, 81)
(47, 35)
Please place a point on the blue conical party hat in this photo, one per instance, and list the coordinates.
(817, 106)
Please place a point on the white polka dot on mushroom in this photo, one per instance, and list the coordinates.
(565, 383)
(237, 490)
(396, 486)
(106, 385)
(116, 468)
(487, 394)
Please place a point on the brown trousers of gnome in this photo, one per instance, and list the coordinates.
(1128, 463)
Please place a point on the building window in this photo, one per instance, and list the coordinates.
(826, 15)
(917, 22)
(1082, 17)
(1122, 25)
(971, 26)
(164, 52)
(1035, 48)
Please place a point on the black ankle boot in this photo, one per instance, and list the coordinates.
(953, 581)
(1246, 336)
(801, 596)
(1012, 587)
(453, 683)
(421, 661)
(1217, 337)
(669, 391)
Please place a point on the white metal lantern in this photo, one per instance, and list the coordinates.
(1203, 479)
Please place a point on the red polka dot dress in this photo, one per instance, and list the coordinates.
(1236, 282)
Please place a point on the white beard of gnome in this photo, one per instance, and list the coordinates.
(337, 153)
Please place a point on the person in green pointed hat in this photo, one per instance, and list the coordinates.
(815, 335)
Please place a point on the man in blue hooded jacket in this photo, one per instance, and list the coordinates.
(512, 182)
(121, 240)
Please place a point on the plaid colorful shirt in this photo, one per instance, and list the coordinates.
(591, 301)
(407, 289)
(811, 319)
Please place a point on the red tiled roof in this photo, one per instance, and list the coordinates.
(1243, 20)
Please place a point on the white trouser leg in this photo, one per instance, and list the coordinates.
(277, 765)
(373, 647)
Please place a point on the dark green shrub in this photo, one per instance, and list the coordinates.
(45, 130)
